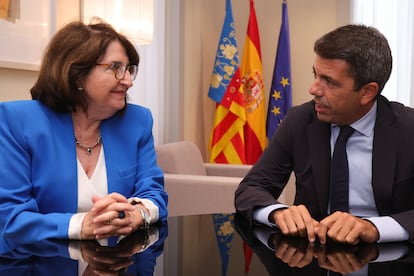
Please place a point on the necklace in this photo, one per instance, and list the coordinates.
(88, 149)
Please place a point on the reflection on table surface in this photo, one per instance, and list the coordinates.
(283, 255)
(132, 255)
(194, 252)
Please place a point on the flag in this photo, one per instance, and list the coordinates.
(4, 9)
(280, 96)
(253, 91)
(227, 141)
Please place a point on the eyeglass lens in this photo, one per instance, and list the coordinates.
(121, 70)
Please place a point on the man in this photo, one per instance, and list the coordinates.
(351, 67)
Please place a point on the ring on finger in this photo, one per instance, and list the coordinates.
(121, 214)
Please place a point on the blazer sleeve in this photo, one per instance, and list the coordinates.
(20, 217)
(150, 178)
(131, 158)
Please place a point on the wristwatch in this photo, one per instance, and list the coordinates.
(144, 214)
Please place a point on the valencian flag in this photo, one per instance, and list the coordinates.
(280, 96)
(253, 90)
(226, 144)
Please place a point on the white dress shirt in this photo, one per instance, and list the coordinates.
(98, 185)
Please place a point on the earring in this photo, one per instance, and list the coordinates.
(80, 89)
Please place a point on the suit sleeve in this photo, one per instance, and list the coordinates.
(266, 180)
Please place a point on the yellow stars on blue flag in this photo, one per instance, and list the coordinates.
(280, 98)
(276, 96)
(284, 82)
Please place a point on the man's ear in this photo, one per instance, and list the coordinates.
(369, 92)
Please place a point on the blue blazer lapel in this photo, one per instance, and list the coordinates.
(119, 153)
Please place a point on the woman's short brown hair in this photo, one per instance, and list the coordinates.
(71, 54)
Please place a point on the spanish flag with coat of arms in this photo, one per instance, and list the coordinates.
(253, 90)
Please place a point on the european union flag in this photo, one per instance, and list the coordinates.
(280, 97)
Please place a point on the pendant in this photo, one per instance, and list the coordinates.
(88, 151)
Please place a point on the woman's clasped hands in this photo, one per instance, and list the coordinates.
(111, 215)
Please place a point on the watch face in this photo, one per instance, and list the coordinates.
(144, 214)
(145, 218)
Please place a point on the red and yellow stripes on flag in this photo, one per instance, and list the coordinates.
(227, 138)
(253, 90)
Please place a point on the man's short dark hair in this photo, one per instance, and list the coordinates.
(364, 48)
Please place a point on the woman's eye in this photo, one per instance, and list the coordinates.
(115, 65)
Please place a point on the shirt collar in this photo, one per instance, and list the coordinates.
(366, 124)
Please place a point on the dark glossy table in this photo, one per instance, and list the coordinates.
(133, 255)
(283, 255)
(188, 246)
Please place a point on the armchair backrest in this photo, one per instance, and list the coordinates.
(182, 157)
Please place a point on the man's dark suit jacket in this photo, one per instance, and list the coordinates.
(302, 144)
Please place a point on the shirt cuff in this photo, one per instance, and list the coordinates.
(152, 208)
(389, 229)
(75, 226)
(390, 252)
(263, 235)
(262, 214)
(75, 251)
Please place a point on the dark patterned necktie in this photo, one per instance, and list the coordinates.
(340, 172)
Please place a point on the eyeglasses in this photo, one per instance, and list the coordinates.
(120, 69)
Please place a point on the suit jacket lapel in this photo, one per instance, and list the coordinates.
(384, 156)
(320, 152)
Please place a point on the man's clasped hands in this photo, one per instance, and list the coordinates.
(339, 227)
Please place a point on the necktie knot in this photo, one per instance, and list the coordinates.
(344, 134)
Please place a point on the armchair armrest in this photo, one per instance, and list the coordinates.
(198, 194)
(234, 170)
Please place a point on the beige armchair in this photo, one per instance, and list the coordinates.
(193, 186)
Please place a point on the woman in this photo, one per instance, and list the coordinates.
(77, 161)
